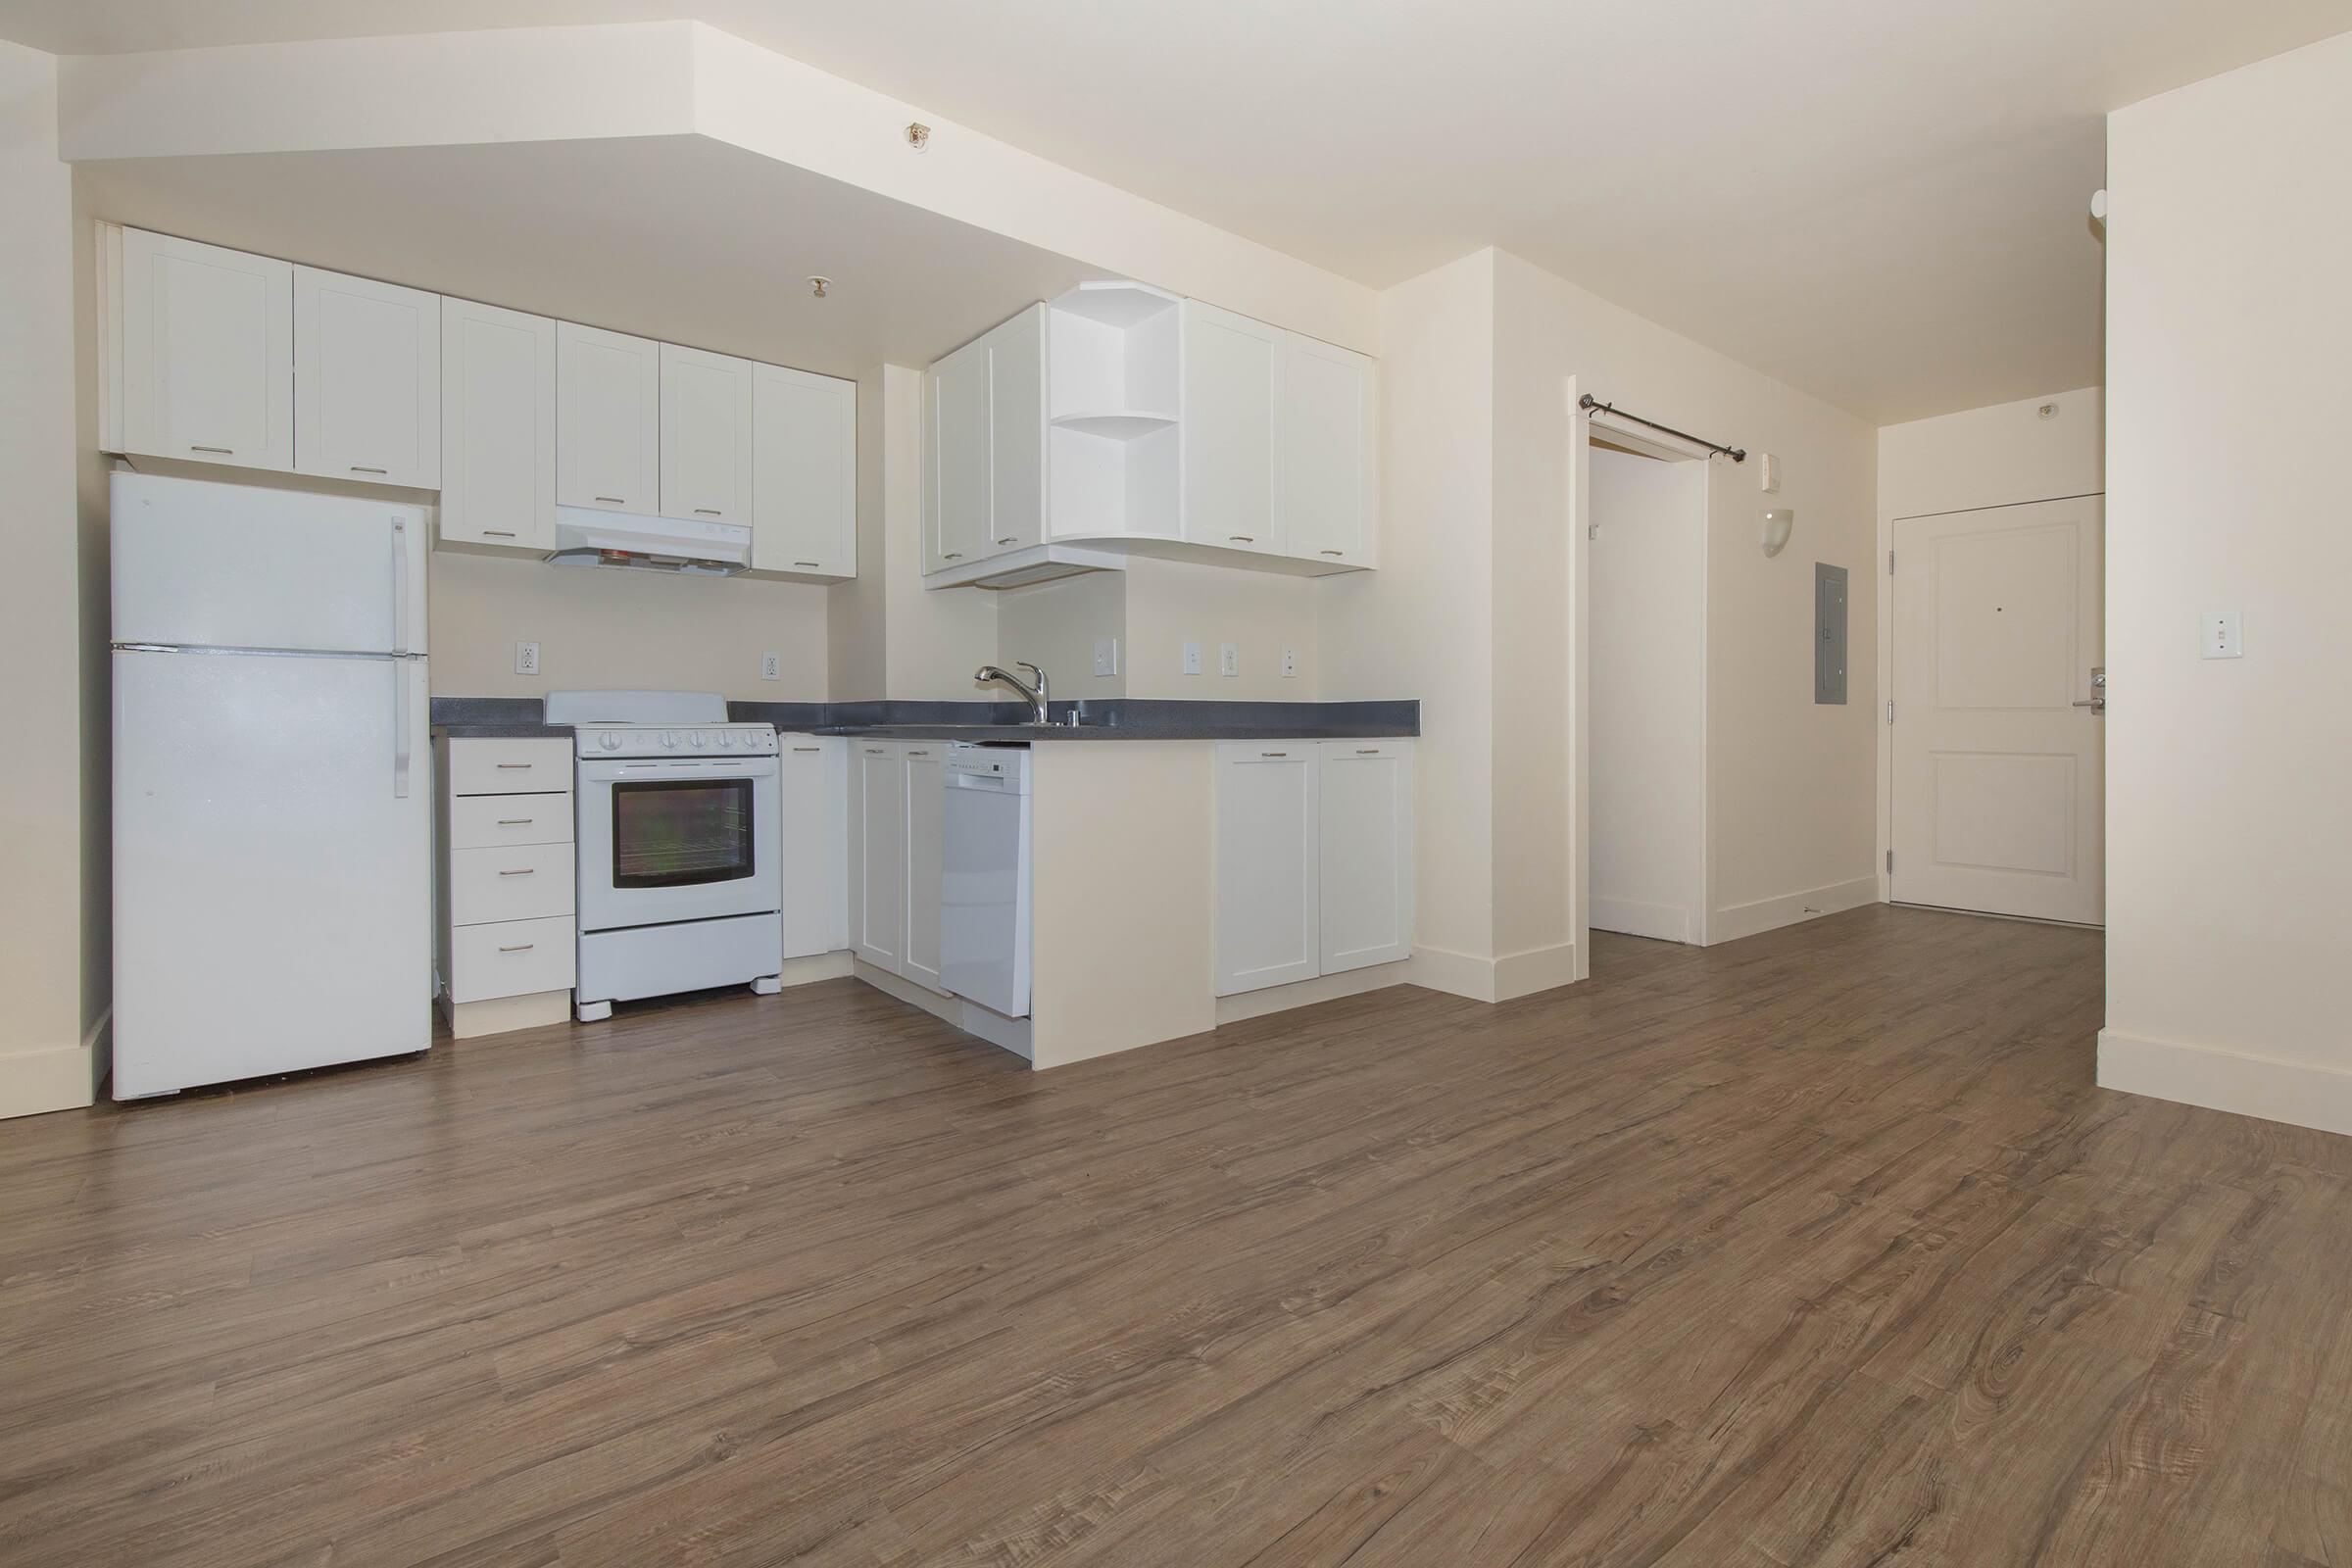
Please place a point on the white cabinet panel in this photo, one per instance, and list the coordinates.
(1326, 453)
(511, 959)
(803, 473)
(207, 344)
(507, 767)
(705, 435)
(492, 821)
(367, 381)
(925, 811)
(498, 426)
(1366, 817)
(516, 882)
(1017, 407)
(1232, 391)
(608, 419)
(878, 853)
(956, 440)
(811, 789)
(1268, 853)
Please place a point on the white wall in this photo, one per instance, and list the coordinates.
(1999, 456)
(1647, 740)
(1790, 783)
(1054, 626)
(2229, 240)
(1170, 602)
(44, 1062)
(1420, 626)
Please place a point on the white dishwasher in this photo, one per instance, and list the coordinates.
(984, 877)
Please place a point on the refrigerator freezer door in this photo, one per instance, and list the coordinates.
(272, 906)
(227, 566)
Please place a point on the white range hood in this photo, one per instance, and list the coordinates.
(588, 537)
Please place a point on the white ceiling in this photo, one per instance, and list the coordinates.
(1883, 203)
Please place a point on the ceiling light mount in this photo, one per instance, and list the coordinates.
(818, 285)
(918, 135)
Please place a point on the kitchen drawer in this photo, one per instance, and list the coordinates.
(518, 882)
(487, 821)
(511, 959)
(509, 766)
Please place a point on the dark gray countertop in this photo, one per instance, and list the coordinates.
(1112, 719)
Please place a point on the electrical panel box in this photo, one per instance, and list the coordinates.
(1829, 634)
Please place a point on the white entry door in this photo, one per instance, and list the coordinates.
(1999, 760)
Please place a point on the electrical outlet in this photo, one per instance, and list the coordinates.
(1106, 656)
(1229, 658)
(1290, 663)
(772, 666)
(526, 659)
(1192, 659)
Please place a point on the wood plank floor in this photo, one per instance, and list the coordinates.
(1818, 1248)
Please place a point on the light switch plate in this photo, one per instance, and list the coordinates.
(1192, 659)
(1290, 663)
(1768, 471)
(526, 659)
(2222, 635)
(772, 666)
(1106, 656)
(1229, 658)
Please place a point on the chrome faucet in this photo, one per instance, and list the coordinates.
(1035, 696)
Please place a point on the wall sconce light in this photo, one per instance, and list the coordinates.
(1778, 523)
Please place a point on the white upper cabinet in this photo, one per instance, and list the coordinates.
(705, 435)
(367, 381)
(608, 419)
(1327, 454)
(1016, 405)
(956, 442)
(803, 473)
(203, 365)
(498, 426)
(1232, 393)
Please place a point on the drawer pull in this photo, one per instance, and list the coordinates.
(498, 533)
(1368, 750)
(808, 748)
(519, 947)
(225, 451)
(1273, 753)
(528, 870)
(510, 766)
(356, 469)
(918, 754)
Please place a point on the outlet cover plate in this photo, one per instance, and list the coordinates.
(526, 659)
(1229, 658)
(1106, 656)
(1192, 659)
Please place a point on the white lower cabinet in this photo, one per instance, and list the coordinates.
(508, 933)
(812, 789)
(895, 851)
(1314, 859)
(1268, 888)
(1366, 824)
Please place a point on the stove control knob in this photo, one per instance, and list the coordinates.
(694, 740)
(726, 737)
(670, 737)
(609, 742)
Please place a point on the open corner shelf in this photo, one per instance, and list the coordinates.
(1119, 305)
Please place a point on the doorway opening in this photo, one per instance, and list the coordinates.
(1646, 548)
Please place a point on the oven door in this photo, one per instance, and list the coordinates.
(669, 839)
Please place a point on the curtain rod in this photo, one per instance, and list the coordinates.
(1589, 403)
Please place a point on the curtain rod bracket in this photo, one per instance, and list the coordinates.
(1590, 404)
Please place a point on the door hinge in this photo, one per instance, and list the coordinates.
(1890, 862)
(1890, 562)
(1890, 709)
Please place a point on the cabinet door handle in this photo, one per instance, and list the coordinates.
(706, 512)
(918, 754)
(1009, 539)
(519, 947)
(227, 452)
(613, 501)
(953, 554)
(510, 766)
(808, 748)
(516, 822)
(1242, 538)
(356, 469)
(1368, 750)
(1328, 552)
(522, 871)
(1273, 753)
(498, 533)
(810, 564)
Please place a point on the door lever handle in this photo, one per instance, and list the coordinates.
(2097, 705)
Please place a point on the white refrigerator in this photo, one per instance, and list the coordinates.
(273, 892)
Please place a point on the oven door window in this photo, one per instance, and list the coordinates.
(673, 833)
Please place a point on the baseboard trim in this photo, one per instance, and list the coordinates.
(2300, 1093)
(1789, 909)
(1006, 1034)
(1661, 922)
(817, 967)
(50, 1078)
(1307, 992)
(1501, 979)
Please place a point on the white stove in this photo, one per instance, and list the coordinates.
(678, 846)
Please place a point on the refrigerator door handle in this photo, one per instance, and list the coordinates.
(400, 727)
(400, 588)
